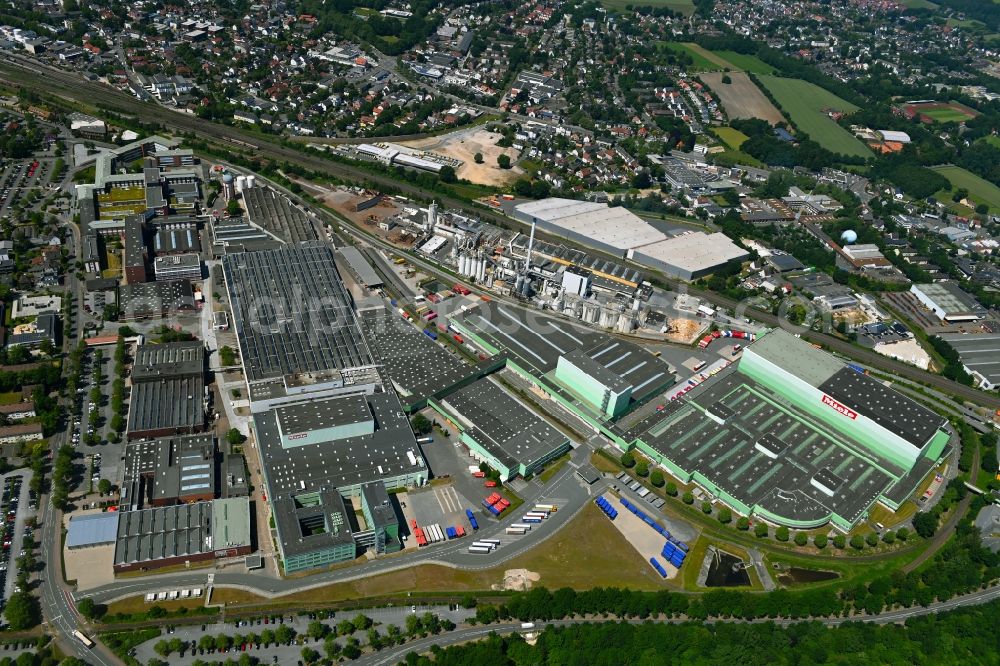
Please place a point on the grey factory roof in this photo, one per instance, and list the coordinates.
(95, 529)
(153, 299)
(168, 468)
(505, 427)
(171, 241)
(343, 462)
(292, 313)
(538, 342)
(314, 526)
(797, 357)
(596, 369)
(376, 497)
(604, 226)
(512, 433)
(275, 213)
(765, 452)
(135, 243)
(417, 367)
(978, 352)
(322, 414)
(171, 359)
(238, 235)
(893, 411)
(168, 403)
(159, 533)
(360, 266)
(950, 298)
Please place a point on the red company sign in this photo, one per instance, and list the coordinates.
(843, 409)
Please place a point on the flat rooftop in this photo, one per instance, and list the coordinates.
(168, 468)
(292, 313)
(346, 461)
(416, 366)
(174, 403)
(951, 299)
(979, 352)
(323, 414)
(692, 252)
(360, 266)
(511, 432)
(537, 341)
(171, 359)
(890, 409)
(182, 530)
(613, 226)
(766, 453)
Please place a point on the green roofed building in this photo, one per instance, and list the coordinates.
(794, 436)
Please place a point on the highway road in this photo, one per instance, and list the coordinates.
(71, 86)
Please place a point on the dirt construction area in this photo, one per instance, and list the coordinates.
(463, 145)
(741, 98)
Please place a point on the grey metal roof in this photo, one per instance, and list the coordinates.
(512, 433)
(368, 276)
(343, 462)
(890, 409)
(171, 359)
(292, 313)
(275, 213)
(92, 530)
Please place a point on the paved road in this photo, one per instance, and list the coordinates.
(49, 80)
(565, 489)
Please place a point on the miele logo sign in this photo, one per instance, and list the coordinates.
(298, 435)
(843, 409)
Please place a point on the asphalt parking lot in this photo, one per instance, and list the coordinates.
(110, 453)
(289, 654)
(17, 507)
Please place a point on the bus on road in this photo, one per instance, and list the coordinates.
(78, 635)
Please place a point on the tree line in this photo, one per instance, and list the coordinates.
(965, 636)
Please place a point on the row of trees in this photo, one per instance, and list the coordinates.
(958, 637)
(961, 566)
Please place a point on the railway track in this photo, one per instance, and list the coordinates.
(72, 86)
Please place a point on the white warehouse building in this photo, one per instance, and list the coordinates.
(618, 232)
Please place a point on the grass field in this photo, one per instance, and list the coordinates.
(685, 7)
(993, 140)
(731, 137)
(918, 4)
(945, 115)
(604, 558)
(702, 60)
(980, 191)
(747, 63)
(805, 103)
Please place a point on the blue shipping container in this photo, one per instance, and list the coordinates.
(682, 546)
(430, 334)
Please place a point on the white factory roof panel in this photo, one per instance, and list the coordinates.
(613, 226)
(693, 251)
(892, 135)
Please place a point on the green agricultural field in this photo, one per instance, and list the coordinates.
(804, 103)
(685, 7)
(747, 63)
(731, 137)
(993, 140)
(918, 4)
(701, 59)
(980, 191)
